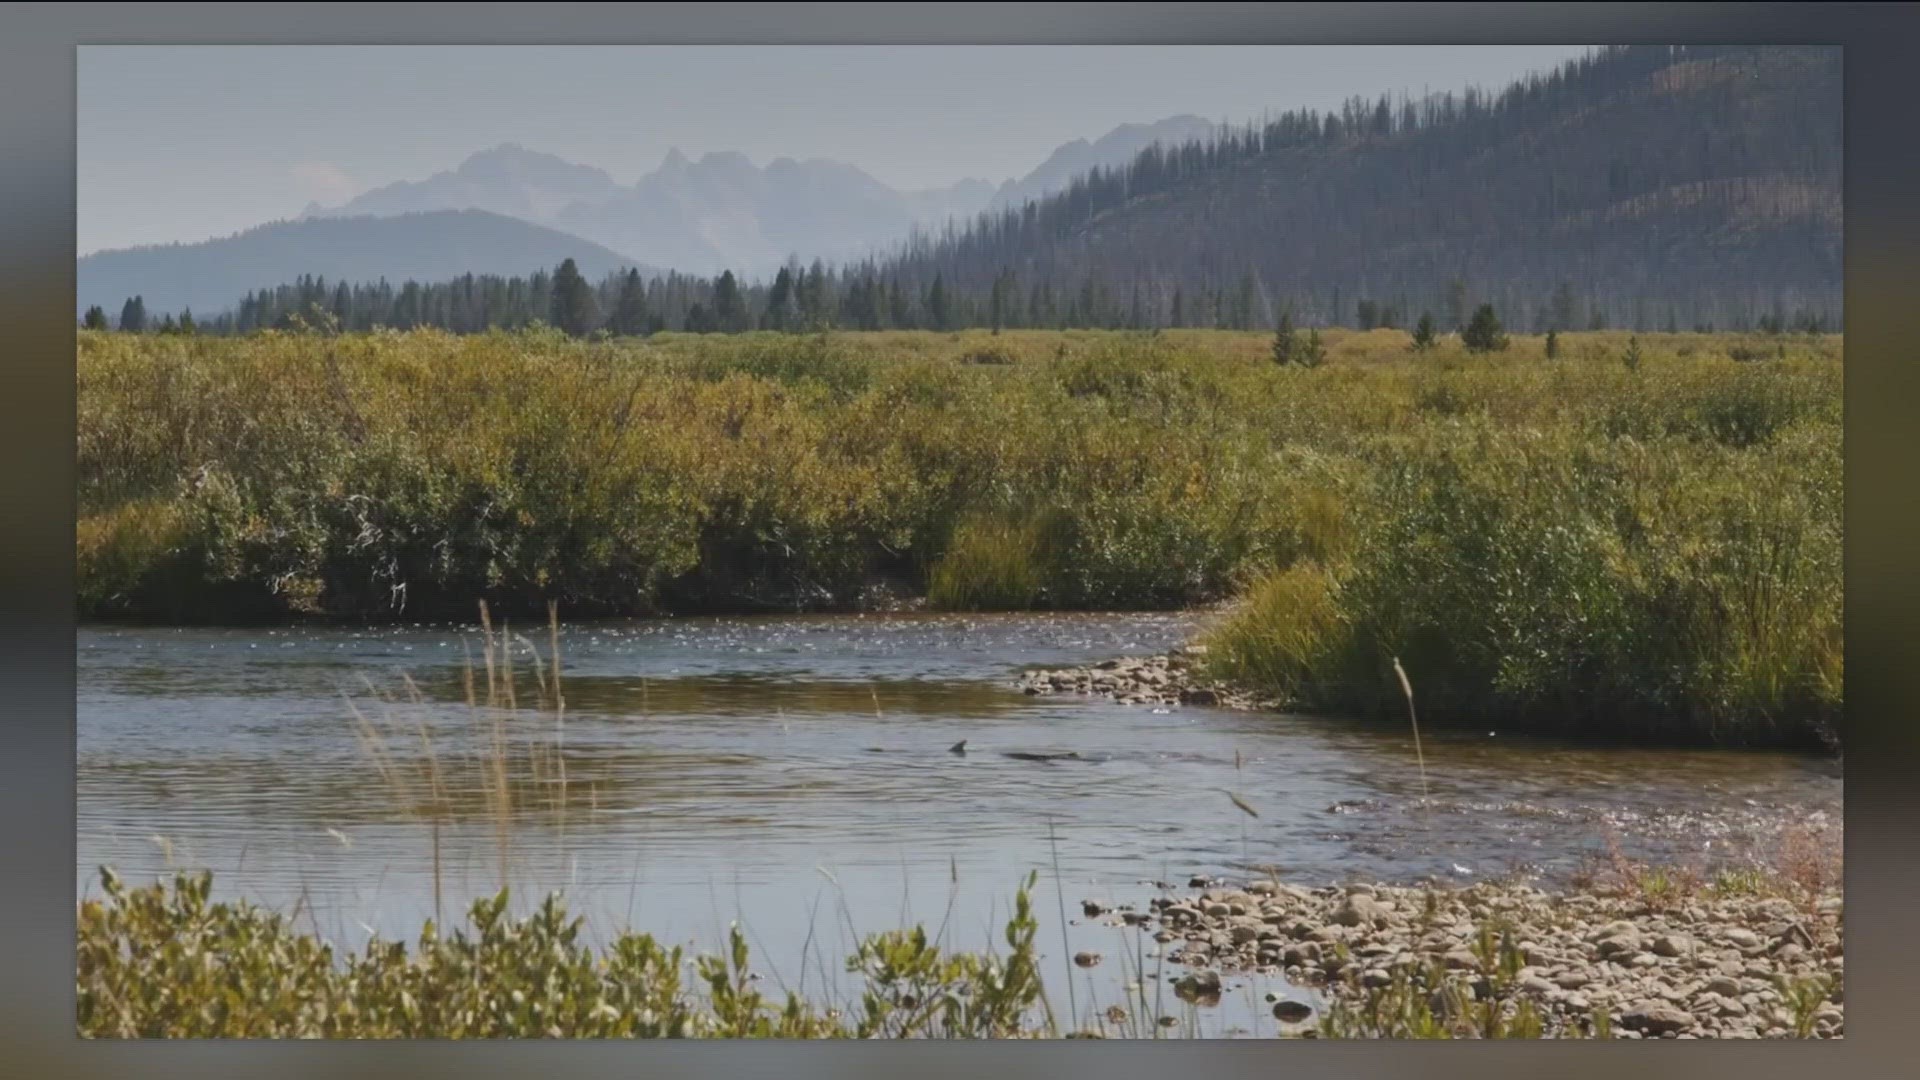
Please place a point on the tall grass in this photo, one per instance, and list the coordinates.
(1570, 545)
(990, 564)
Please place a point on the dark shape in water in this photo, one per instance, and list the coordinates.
(1199, 988)
(958, 748)
(1291, 1012)
(1029, 755)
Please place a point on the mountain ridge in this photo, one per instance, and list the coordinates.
(212, 275)
(721, 211)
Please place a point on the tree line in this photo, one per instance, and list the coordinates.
(820, 297)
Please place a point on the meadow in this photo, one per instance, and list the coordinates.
(1638, 538)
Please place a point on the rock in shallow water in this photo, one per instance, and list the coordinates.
(1291, 1012)
(1201, 986)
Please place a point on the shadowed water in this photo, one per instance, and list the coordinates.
(795, 774)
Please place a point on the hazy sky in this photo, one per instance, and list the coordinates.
(183, 143)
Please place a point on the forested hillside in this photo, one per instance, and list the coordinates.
(1655, 184)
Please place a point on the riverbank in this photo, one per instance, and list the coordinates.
(1738, 960)
(1745, 956)
(1646, 550)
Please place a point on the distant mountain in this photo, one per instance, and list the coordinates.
(718, 213)
(1645, 183)
(722, 212)
(508, 179)
(212, 276)
(961, 200)
(1117, 147)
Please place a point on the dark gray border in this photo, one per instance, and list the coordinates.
(36, 500)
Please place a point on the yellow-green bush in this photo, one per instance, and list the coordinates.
(1544, 580)
(167, 961)
(1571, 543)
(119, 549)
(368, 472)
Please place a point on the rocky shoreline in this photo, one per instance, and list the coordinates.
(1703, 965)
(1172, 678)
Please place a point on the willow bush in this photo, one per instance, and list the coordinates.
(1572, 544)
(1681, 583)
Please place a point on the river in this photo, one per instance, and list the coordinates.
(795, 774)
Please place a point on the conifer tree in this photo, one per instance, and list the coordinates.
(1286, 342)
(815, 294)
(729, 309)
(1483, 333)
(779, 300)
(1424, 337)
(573, 308)
(1313, 354)
(630, 309)
(938, 307)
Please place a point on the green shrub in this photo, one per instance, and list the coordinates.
(167, 961)
(1614, 590)
(120, 550)
(1571, 545)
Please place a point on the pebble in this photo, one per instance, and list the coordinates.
(1361, 909)
(1580, 952)
(1167, 679)
(1672, 945)
(1653, 1018)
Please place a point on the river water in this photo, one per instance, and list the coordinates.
(794, 774)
